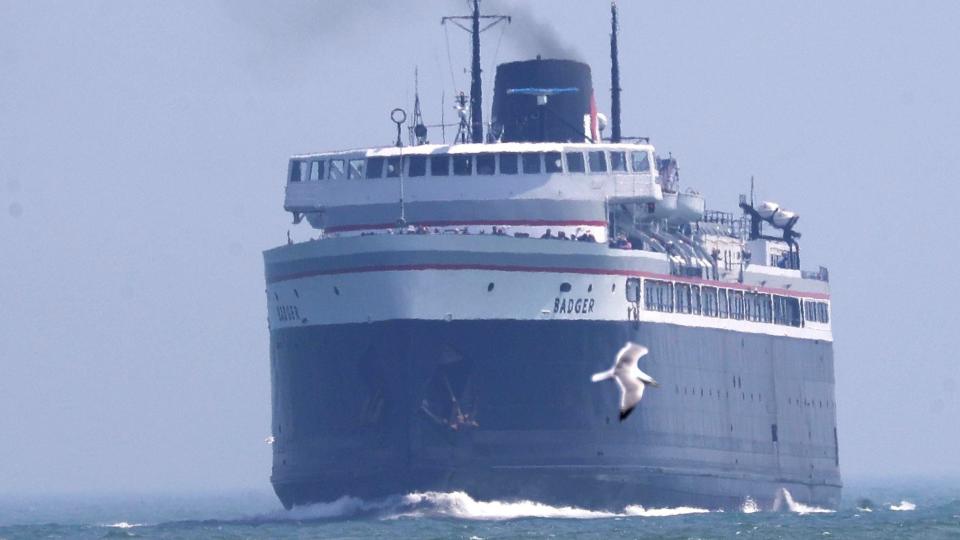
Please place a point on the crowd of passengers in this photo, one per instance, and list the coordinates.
(619, 242)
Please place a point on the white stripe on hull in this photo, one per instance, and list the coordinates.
(483, 294)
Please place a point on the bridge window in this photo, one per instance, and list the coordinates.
(462, 165)
(618, 162)
(722, 306)
(791, 311)
(817, 312)
(683, 297)
(575, 162)
(393, 167)
(598, 162)
(316, 171)
(375, 167)
(486, 164)
(633, 290)
(356, 168)
(640, 161)
(736, 305)
(750, 306)
(764, 308)
(553, 162)
(295, 175)
(440, 165)
(508, 163)
(531, 163)
(417, 166)
(709, 295)
(658, 295)
(338, 169)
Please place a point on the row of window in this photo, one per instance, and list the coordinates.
(485, 164)
(669, 297)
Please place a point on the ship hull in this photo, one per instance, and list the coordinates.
(504, 409)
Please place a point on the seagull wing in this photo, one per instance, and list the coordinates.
(631, 390)
(628, 356)
(646, 379)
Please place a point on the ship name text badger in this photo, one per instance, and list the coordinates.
(580, 306)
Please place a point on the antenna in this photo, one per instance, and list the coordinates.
(419, 129)
(476, 86)
(399, 116)
(443, 116)
(615, 136)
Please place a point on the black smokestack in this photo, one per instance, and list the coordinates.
(615, 75)
(476, 83)
(519, 117)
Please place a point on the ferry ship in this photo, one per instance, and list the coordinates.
(440, 331)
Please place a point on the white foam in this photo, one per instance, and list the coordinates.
(750, 506)
(904, 506)
(460, 505)
(636, 510)
(124, 525)
(785, 498)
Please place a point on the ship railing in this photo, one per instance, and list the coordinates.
(821, 274)
(735, 226)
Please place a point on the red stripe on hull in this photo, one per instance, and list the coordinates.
(547, 269)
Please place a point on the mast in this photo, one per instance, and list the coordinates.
(476, 81)
(476, 86)
(614, 75)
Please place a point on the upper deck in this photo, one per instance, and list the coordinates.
(534, 184)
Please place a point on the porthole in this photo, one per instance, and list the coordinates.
(276, 297)
(490, 287)
(590, 288)
(336, 290)
(565, 287)
(296, 293)
(613, 288)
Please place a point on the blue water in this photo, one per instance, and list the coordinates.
(898, 511)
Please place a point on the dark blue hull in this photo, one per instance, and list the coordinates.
(505, 409)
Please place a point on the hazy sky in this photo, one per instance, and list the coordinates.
(143, 148)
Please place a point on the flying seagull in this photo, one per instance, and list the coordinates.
(629, 378)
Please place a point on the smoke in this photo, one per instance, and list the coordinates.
(530, 35)
(298, 21)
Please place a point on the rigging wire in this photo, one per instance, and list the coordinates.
(453, 78)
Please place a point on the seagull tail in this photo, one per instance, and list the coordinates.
(602, 376)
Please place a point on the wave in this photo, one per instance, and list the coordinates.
(123, 525)
(460, 505)
(750, 506)
(904, 506)
(634, 510)
(784, 498)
